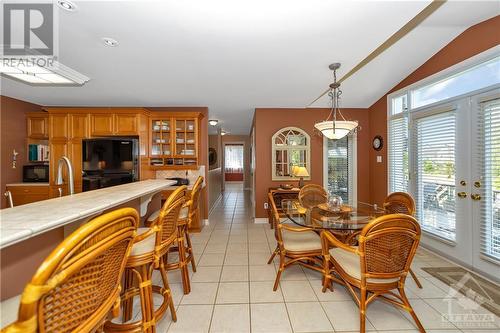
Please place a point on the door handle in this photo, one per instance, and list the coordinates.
(475, 197)
(462, 195)
(477, 184)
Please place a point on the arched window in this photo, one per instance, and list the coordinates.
(291, 147)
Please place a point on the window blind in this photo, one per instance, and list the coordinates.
(398, 154)
(434, 148)
(339, 158)
(489, 165)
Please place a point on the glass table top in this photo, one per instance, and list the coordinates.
(348, 218)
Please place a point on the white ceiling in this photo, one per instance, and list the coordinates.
(234, 56)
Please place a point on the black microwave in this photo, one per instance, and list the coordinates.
(36, 173)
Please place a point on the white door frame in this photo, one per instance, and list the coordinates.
(353, 167)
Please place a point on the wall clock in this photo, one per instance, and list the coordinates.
(377, 142)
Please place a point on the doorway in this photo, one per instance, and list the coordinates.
(234, 165)
(455, 179)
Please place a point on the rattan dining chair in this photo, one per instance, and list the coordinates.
(299, 245)
(312, 195)
(148, 251)
(378, 266)
(78, 285)
(403, 203)
(184, 247)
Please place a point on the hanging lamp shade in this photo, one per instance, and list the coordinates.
(336, 129)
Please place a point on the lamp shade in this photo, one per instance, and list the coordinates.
(301, 172)
(293, 170)
(341, 128)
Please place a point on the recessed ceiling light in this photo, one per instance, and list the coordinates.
(67, 5)
(222, 132)
(213, 122)
(110, 41)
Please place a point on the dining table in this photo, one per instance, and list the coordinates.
(345, 221)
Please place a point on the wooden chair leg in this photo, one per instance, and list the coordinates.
(273, 255)
(415, 278)
(190, 249)
(410, 310)
(278, 276)
(362, 311)
(168, 291)
(183, 263)
(127, 303)
(146, 292)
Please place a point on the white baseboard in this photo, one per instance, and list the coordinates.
(261, 220)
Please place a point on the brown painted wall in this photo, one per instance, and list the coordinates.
(203, 146)
(13, 136)
(245, 139)
(269, 121)
(472, 41)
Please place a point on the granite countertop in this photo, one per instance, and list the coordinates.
(26, 221)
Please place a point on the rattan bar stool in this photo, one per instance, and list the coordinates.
(183, 246)
(78, 285)
(150, 245)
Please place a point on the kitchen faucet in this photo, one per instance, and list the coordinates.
(59, 181)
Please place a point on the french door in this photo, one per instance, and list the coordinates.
(455, 178)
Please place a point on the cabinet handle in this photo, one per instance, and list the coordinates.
(462, 194)
(475, 197)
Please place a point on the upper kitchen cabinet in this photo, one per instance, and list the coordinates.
(101, 124)
(78, 125)
(38, 125)
(174, 140)
(126, 124)
(58, 126)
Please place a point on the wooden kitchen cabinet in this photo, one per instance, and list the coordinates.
(37, 125)
(174, 141)
(58, 149)
(78, 126)
(75, 155)
(101, 124)
(58, 126)
(25, 194)
(126, 124)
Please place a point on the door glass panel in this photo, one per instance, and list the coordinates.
(489, 184)
(435, 173)
(338, 168)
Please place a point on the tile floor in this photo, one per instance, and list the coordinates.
(232, 289)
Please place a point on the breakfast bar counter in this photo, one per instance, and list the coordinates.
(26, 221)
(28, 233)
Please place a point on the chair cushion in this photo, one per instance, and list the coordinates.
(146, 245)
(301, 241)
(351, 265)
(183, 214)
(154, 216)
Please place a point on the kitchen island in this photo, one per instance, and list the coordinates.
(28, 233)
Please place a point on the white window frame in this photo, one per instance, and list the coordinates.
(450, 71)
(353, 167)
(307, 148)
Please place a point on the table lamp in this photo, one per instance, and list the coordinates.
(301, 172)
(293, 170)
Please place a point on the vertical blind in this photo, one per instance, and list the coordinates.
(398, 154)
(488, 158)
(339, 169)
(434, 148)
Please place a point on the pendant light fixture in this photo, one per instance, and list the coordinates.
(335, 129)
